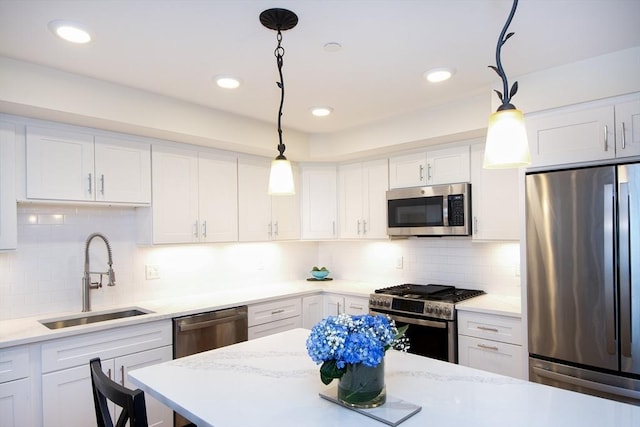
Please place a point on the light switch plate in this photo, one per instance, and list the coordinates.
(151, 272)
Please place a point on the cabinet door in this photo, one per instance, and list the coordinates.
(59, 165)
(492, 356)
(218, 197)
(254, 202)
(285, 213)
(175, 195)
(448, 165)
(8, 207)
(495, 194)
(569, 136)
(157, 413)
(67, 399)
(628, 129)
(319, 202)
(15, 402)
(333, 305)
(271, 328)
(408, 170)
(312, 310)
(350, 187)
(375, 177)
(123, 171)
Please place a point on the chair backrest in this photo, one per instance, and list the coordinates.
(131, 401)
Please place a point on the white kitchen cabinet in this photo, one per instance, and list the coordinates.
(263, 217)
(194, 197)
(363, 203)
(71, 165)
(495, 194)
(433, 167)
(15, 388)
(585, 132)
(312, 310)
(491, 342)
(319, 202)
(8, 207)
(274, 316)
(66, 378)
(335, 304)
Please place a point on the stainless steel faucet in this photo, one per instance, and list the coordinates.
(87, 285)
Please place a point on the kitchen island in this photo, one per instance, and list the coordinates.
(272, 381)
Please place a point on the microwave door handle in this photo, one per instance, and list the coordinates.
(624, 233)
(608, 262)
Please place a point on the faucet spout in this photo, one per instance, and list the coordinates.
(87, 285)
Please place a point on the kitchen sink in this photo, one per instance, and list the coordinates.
(87, 318)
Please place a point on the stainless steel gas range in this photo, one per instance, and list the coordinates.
(430, 312)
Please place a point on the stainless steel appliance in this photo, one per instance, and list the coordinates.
(429, 310)
(439, 210)
(205, 331)
(583, 279)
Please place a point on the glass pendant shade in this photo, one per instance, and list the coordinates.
(281, 178)
(507, 145)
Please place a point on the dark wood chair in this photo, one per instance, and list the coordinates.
(132, 403)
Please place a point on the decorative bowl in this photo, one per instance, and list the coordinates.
(319, 274)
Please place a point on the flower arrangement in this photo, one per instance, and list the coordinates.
(344, 339)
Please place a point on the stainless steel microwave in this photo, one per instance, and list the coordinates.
(438, 210)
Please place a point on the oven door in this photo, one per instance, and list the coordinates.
(435, 338)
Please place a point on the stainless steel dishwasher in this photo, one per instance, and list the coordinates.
(205, 331)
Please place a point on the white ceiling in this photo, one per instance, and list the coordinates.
(176, 47)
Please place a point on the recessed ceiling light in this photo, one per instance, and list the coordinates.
(437, 75)
(227, 82)
(70, 31)
(321, 111)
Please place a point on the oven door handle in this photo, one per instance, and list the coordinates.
(421, 322)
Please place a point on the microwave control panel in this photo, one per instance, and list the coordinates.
(456, 210)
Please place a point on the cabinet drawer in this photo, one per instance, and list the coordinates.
(355, 305)
(490, 326)
(271, 328)
(14, 364)
(274, 310)
(75, 351)
(492, 356)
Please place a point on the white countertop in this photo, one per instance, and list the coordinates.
(29, 330)
(272, 381)
(493, 304)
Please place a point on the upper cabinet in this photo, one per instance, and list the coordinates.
(8, 208)
(319, 202)
(263, 217)
(363, 204)
(585, 132)
(194, 197)
(495, 194)
(443, 166)
(76, 166)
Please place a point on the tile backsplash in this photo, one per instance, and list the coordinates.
(43, 276)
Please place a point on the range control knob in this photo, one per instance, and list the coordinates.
(428, 308)
(438, 310)
(447, 311)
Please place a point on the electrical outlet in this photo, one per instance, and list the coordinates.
(399, 263)
(151, 272)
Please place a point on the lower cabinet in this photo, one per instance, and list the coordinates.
(274, 316)
(491, 342)
(312, 310)
(335, 304)
(66, 381)
(15, 388)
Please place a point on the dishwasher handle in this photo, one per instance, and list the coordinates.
(183, 326)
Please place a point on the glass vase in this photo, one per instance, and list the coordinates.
(362, 386)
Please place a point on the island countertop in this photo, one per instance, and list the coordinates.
(272, 381)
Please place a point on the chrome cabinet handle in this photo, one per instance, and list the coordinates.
(195, 229)
(364, 227)
(276, 229)
(278, 311)
(428, 172)
(204, 229)
(421, 173)
(109, 373)
(609, 272)
(358, 227)
(475, 225)
(488, 347)
(606, 138)
(485, 328)
(122, 375)
(624, 137)
(270, 230)
(102, 184)
(90, 183)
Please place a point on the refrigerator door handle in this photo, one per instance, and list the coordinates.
(609, 273)
(624, 222)
(556, 376)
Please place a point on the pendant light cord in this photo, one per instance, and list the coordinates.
(279, 53)
(506, 95)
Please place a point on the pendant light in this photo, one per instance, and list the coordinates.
(507, 145)
(281, 175)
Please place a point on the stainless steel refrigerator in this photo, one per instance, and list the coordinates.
(583, 279)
